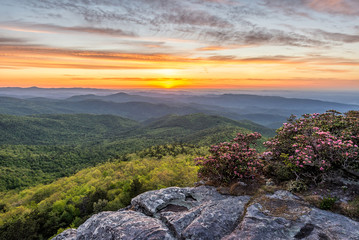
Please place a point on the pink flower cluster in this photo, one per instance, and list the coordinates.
(316, 143)
(232, 160)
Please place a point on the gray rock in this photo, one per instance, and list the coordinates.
(153, 201)
(124, 225)
(285, 216)
(203, 213)
(217, 219)
(333, 226)
(68, 234)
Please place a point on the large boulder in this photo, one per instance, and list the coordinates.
(203, 213)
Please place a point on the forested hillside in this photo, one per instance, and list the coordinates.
(41, 148)
(64, 129)
(40, 212)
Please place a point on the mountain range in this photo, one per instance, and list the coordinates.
(270, 111)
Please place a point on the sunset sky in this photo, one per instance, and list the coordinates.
(190, 44)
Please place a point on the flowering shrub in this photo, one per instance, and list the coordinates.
(317, 145)
(232, 160)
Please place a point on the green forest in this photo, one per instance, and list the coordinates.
(57, 170)
(41, 148)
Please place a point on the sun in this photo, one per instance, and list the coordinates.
(168, 78)
(168, 84)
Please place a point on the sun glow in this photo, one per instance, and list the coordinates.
(168, 83)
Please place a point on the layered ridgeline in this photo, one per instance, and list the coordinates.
(38, 149)
(270, 111)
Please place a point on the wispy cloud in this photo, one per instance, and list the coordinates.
(64, 65)
(261, 36)
(222, 21)
(156, 14)
(95, 30)
(342, 7)
(10, 40)
(22, 55)
(335, 36)
(191, 17)
(22, 29)
(218, 48)
(32, 50)
(346, 7)
(52, 28)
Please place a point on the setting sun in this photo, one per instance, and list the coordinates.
(168, 83)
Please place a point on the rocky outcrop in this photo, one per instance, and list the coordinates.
(203, 213)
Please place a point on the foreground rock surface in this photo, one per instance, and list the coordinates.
(203, 213)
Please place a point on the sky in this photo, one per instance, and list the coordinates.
(180, 44)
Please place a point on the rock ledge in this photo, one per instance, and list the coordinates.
(203, 213)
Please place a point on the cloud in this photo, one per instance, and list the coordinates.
(19, 53)
(226, 58)
(334, 36)
(23, 55)
(286, 60)
(10, 40)
(346, 7)
(216, 48)
(330, 70)
(51, 28)
(217, 1)
(34, 64)
(1, 67)
(153, 13)
(214, 22)
(342, 7)
(193, 18)
(100, 31)
(261, 36)
(34, 50)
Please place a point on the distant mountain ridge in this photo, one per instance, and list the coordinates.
(269, 111)
(54, 93)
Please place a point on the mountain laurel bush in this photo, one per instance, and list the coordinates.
(231, 161)
(310, 149)
(317, 146)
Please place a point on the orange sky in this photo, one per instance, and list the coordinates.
(170, 48)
